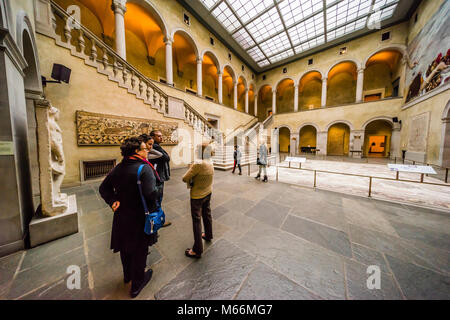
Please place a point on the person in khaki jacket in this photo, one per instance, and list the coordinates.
(200, 177)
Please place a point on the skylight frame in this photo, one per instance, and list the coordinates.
(347, 17)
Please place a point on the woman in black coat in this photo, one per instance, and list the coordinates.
(120, 191)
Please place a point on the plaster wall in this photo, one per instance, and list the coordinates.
(435, 106)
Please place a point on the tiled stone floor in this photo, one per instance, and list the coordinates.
(271, 241)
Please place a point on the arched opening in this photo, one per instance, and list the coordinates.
(251, 100)
(284, 140)
(210, 67)
(285, 96)
(308, 139)
(264, 102)
(310, 91)
(342, 84)
(241, 87)
(338, 140)
(144, 42)
(96, 15)
(446, 137)
(377, 139)
(184, 63)
(382, 75)
(228, 79)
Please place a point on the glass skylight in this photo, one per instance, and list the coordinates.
(346, 12)
(265, 25)
(281, 56)
(244, 39)
(310, 44)
(275, 44)
(209, 3)
(256, 54)
(263, 63)
(273, 30)
(247, 9)
(308, 29)
(294, 10)
(226, 17)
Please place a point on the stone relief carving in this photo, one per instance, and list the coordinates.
(94, 129)
(418, 132)
(51, 159)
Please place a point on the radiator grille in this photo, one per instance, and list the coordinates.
(96, 169)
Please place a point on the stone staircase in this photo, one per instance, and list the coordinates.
(247, 140)
(83, 44)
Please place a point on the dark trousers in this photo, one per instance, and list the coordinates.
(134, 264)
(239, 166)
(201, 208)
(160, 197)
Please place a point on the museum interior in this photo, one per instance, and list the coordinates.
(351, 98)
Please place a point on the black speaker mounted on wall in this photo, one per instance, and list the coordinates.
(60, 73)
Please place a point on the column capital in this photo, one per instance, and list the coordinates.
(219, 73)
(246, 90)
(119, 6)
(199, 60)
(325, 78)
(168, 41)
(296, 85)
(274, 91)
(361, 70)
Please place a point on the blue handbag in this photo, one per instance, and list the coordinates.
(155, 220)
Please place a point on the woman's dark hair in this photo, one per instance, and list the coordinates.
(129, 146)
(145, 137)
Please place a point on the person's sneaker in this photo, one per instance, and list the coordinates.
(167, 223)
(147, 277)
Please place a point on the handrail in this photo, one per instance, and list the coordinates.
(62, 13)
(268, 119)
(240, 126)
(364, 176)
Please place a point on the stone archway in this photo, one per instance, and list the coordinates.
(338, 141)
(307, 138)
(377, 139)
(284, 139)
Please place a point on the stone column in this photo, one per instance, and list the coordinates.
(321, 142)
(219, 87)
(274, 101)
(395, 141)
(296, 98)
(324, 92)
(359, 85)
(235, 95)
(246, 100)
(119, 8)
(256, 105)
(199, 76)
(295, 137)
(169, 69)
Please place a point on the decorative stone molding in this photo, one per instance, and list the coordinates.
(109, 130)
